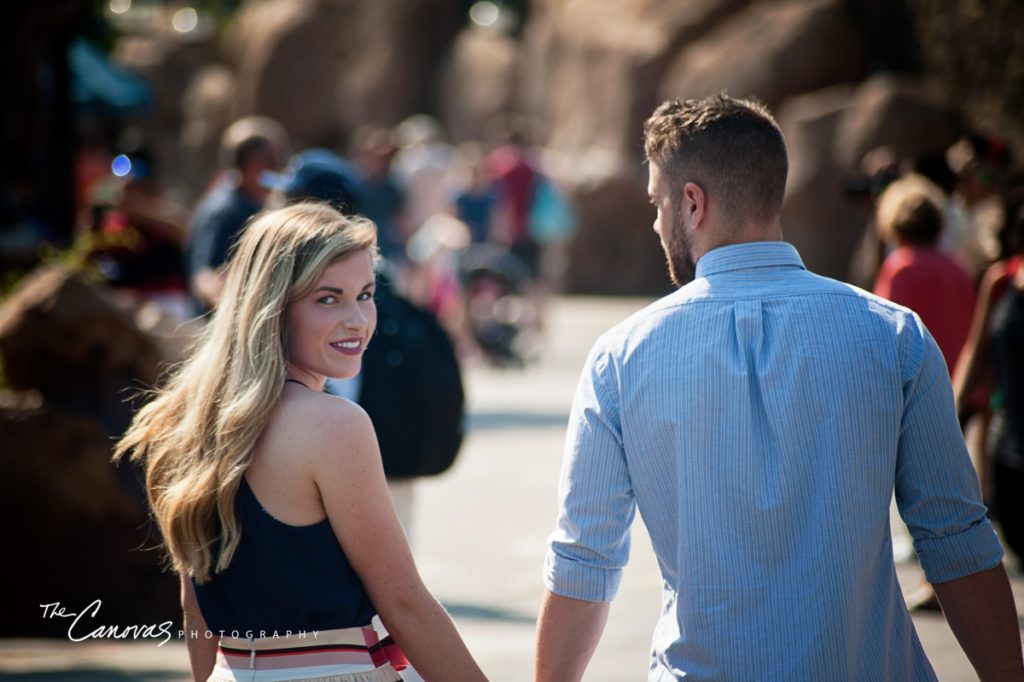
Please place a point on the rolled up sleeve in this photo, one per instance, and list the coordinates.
(590, 546)
(937, 489)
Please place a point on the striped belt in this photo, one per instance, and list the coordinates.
(346, 655)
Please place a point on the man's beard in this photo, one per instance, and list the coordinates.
(678, 251)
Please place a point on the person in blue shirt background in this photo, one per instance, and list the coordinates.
(760, 418)
(251, 147)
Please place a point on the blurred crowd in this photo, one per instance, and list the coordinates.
(472, 233)
(946, 240)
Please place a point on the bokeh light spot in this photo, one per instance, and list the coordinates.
(185, 20)
(121, 166)
(484, 13)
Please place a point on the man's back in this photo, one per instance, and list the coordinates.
(760, 418)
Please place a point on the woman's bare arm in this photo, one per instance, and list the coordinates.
(347, 469)
(202, 652)
(974, 368)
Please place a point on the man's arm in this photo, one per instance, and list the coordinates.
(590, 545)
(939, 498)
(568, 631)
(981, 613)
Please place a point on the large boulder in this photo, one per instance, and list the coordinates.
(771, 51)
(68, 339)
(592, 70)
(394, 72)
(288, 56)
(899, 112)
(828, 133)
(591, 73)
(615, 250)
(479, 83)
(817, 216)
(324, 67)
(207, 107)
(75, 528)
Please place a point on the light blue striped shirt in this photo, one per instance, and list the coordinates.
(760, 418)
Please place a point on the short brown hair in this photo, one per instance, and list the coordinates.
(910, 212)
(249, 136)
(732, 148)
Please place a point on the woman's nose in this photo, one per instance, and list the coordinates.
(355, 319)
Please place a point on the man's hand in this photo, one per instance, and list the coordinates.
(981, 613)
(568, 631)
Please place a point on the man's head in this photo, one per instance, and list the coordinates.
(718, 175)
(252, 146)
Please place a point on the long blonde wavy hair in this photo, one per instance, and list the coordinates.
(196, 436)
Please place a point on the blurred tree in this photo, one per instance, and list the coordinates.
(973, 48)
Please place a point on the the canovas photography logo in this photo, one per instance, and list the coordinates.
(86, 624)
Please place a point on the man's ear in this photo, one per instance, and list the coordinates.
(694, 205)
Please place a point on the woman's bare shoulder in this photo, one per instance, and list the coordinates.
(322, 425)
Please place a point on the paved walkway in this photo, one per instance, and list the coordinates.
(479, 538)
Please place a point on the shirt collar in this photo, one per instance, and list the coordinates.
(749, 255)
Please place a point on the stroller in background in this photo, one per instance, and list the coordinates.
(500, 316)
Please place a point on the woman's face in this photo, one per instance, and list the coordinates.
(328, 328)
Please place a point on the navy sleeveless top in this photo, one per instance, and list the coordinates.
(283, 577)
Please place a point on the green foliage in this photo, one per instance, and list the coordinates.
(79, 258)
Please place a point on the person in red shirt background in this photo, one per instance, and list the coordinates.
(916, 274)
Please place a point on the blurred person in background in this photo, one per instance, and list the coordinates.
(494, 282)
(250, 147)
(993, 364)
(515, 181)
(382, 200)
(317, 175)
(434, 252)
(916, 274)
(476, 198)
(518, 183)
(933, 166)
(422, 167)
(981, 164)
(270, 494)
(130, 205)
(879, 167)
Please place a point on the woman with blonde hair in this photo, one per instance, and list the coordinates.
(269, 493)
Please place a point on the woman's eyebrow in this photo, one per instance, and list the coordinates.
(336, 290)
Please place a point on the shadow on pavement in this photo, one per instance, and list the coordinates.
(505, 420)
(475, 612)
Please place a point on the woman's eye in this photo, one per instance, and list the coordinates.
(366, 296)
(326, 299)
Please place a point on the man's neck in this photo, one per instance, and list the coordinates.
(750, 233)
